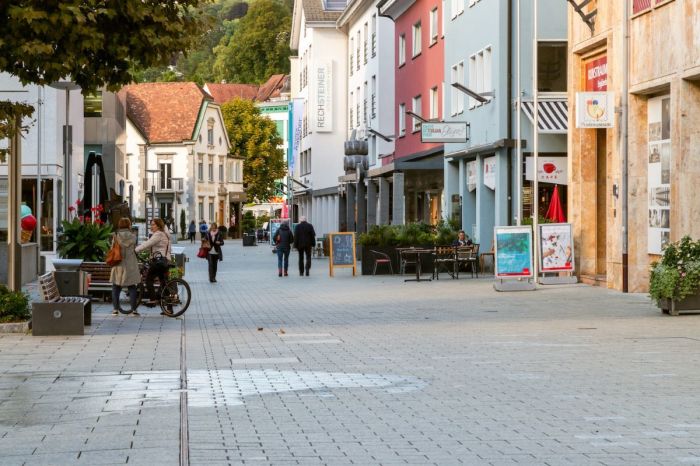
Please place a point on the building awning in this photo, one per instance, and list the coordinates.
(553, 115)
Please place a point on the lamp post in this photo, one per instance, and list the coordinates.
(67, 86)
(153, 171)
(176, 184)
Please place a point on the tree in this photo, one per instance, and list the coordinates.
(254, 138)
(92, 42)
(259, 46)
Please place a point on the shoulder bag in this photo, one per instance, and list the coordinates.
(114, 256)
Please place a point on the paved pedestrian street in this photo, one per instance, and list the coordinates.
(358, 370)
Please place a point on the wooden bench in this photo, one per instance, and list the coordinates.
(59, 315)
(100, 274)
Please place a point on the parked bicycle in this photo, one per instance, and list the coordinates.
(173, 297)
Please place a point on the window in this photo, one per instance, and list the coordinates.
(442, 18)
(364, 43)
(417, 109)
(221, 172)
(352, 107)
(92, 104)
(457, 7)
(357, 105)
(210, 136)
(433, 25)
(230, 178)
(200, 170)
(480, 80)
(358, 50)
(454, 93)
(402, 49)
(472, 79)
(434, 115)
(641, 5)
(211, 169)
(374, 35)
(488, 83)
(551, 66)
(200, 209)
(166, 176)
(417, 45)
(374, 97)
(211, 209)
(364, 103)
(402, 120)
(281, 129)
(352, 54)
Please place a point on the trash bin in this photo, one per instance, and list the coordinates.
(248, 239)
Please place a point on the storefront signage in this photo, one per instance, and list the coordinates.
(297, 128)
(513, 252)
(556, 248)
(471, 175)
(659, 173)
(490, 172)
(444, 132)
(323, 111)
(595, 109)
(275, 109)
(550, 169)
(597, 75)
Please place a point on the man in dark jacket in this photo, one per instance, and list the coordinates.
(283, 240)
(304, 241)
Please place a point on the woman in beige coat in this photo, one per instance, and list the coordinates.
(157, 244)
(126, 273)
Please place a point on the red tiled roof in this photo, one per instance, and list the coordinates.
(164, 112)
(223, 93)
(271, 88)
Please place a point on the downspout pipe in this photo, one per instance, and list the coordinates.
(518, 131)
(624, 143)
(509, 107)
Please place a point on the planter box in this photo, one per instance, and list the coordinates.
(367, 260)
(688, 304)
(16, 327)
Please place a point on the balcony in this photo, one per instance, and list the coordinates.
(162, 184)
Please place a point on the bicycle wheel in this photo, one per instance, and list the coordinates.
(125, 302)
(175, 297)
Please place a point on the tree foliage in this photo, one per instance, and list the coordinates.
(259, 46)
(92, 42)
(254, 138)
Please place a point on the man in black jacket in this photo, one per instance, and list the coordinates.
(304, 241)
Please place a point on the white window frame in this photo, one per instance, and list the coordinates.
(434, 103)
(457, 7)
(487, 72)
(402, 50)
(402, 120)
(434, 26)
(200, 209)
(417, 108)
(472, 79)
(460, 94)
(417, 35)
(454, 92)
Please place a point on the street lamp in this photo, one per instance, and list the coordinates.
(67, 143)
(378, 134)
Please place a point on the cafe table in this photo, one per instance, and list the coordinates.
(418, 253)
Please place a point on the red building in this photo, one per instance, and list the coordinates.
(416, 168)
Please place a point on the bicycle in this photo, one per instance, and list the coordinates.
(173, 298)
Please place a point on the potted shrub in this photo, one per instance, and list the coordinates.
(14, 310)
(84, 239)
(674, 282)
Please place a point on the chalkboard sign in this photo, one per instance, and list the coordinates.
(342, 251)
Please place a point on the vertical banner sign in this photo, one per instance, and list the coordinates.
(556, 248)
(659, 173)
(297, 126)
(513, 252)
(323, 109)
(471, 175)
(490, 172)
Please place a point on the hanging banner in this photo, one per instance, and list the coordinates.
(556, 248)
(490, 172)
(513, 252)
(471, 175)
(550, 169)
(323, 109)
(297, 118)
(659, 173)
(595, 109)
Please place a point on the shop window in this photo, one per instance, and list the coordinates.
(551, 66)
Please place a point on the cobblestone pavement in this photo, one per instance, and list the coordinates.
(359, 370)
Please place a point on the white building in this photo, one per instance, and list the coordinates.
(177, 155)
(319, 81)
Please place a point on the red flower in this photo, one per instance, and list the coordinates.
(71, 209)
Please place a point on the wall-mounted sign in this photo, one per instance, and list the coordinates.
(595, 109)
(490, 172)
(323, 110)
(444, 132)
(659, 173)
(597, 75)
(513, 252)
(471, 175)
(550, 169)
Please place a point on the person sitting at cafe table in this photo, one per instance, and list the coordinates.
(462, 239)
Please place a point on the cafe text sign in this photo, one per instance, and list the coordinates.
(444, 132)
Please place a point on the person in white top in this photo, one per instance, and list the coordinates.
(159, 246)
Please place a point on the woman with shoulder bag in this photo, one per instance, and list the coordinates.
(216, 240)
(159, 246)
(283, 241)
(125, 273)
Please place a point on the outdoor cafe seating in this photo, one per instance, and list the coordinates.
(449, 259)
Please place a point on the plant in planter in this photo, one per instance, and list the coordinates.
(84, 239)
(14, 306)
(676, 278)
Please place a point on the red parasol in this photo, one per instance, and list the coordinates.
(555, 211)
(285, 211)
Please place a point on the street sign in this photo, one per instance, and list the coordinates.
(444, 132)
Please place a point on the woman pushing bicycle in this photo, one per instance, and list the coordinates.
(159, 246)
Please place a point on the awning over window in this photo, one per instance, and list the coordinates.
(552, 114)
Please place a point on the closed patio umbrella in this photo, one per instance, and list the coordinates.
(555, 212)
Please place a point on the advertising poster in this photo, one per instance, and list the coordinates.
(297, 126)
(513, 251)
(556, 248)
(471, 175)
(490, 172)
(659, 173)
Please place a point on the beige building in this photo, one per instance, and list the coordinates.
(657, 69)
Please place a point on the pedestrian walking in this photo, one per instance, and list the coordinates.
(125, 273)
(216, 240)
(192, 231)
(283, 241)
(203, 229)
(159, 246)
(304, 241)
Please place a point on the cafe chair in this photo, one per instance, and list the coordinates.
(444, 260)
(381, 258)
(404, 262)
(468, 256)
(487, 254)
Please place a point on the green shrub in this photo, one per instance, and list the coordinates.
(83, 239)
(14, 305)
(677, 275)
(413, 234)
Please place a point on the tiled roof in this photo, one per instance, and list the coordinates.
(273, 87)
(223, 93)
(314, 12)
(164, 112)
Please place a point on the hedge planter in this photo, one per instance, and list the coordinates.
(16, 327)
(687, 304)
(368, 261)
